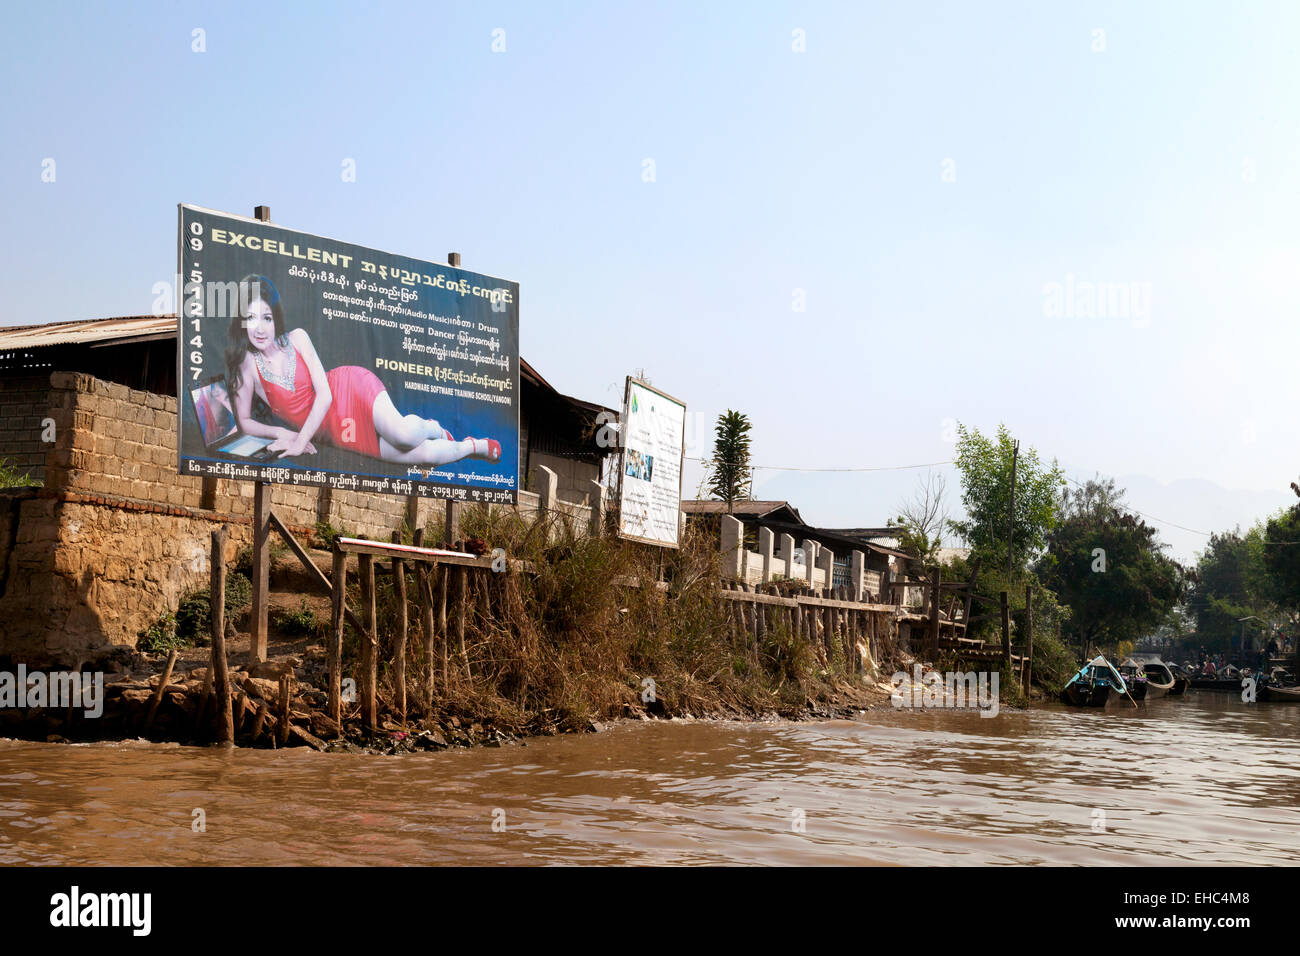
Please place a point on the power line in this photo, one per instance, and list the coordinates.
(932, 464)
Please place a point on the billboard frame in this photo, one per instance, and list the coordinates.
(422, 489)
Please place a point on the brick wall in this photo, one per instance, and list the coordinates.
(24, 402)
(117, 536)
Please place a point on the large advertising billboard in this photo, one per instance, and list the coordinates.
(654, 435)
(304, 360)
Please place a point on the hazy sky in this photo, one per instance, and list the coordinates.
(938, 186)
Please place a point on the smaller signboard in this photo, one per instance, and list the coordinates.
(650, 495)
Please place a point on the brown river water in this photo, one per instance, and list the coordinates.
(1207, 779)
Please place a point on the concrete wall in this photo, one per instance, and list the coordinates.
(116, 536)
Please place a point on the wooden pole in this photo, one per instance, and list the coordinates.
(935, 585)
(369, 644)
(1011, 515)
(261, 541)
(1006, 630)
(204, 697)
(425, 600)
(1029, 637)
(282, 732)
(220, 669)
(261, 570)
(399, 647)
(334, 653)
(443, 573)
(162, 687)
(461, 601)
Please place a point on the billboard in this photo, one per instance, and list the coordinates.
(650, 483)
(304, 360)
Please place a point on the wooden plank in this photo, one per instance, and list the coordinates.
(748, 598)
(845, 605)
(433, 555)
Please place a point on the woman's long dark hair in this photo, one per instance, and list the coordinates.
(251, 288)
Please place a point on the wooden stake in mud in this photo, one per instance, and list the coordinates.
(1006, 631)
(369, 644)
(460, 600)
(161, 689)
(935, 586)
(218, 665)
(399, 647)
(259, 722)
(334, 652)
(1029, 636)
(282, 732)
(440, 606)
(424, 598)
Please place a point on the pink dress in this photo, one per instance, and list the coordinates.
(354, 390)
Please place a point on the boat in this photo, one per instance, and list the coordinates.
(1160, 680)
(1134, 679)
(1181, 681)
(1279, 686)
(1279, 693)
(1094, 684)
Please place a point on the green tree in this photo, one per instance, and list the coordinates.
(1229, 583)
(1281, 557)
(985, 466)
(1109, 568)
(729, 468)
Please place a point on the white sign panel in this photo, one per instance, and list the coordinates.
(654, 430)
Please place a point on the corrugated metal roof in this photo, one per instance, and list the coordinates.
(96, 330)
(748, 507)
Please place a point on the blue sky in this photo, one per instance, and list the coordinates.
(922, 172)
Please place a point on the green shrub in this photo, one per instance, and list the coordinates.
(327, 534)
(161, 635)
(9, 477)
(194, 616)
(300, 622)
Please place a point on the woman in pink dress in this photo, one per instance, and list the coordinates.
(348, 406)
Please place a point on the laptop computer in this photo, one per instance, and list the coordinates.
(219, 428)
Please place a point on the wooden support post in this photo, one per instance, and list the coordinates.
(440, 606)
(1029, 637)
(460, 602)
(935, 585)
(1006, 630)
(217, 617)
(160, 690)
(261, 570)
(425, 600)
(282, 732)
(399, 647)
(453, 521)
(369, 644)
(334, 652)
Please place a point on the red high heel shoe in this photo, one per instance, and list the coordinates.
(493, 452)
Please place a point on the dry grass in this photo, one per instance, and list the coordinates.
(568, 643)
